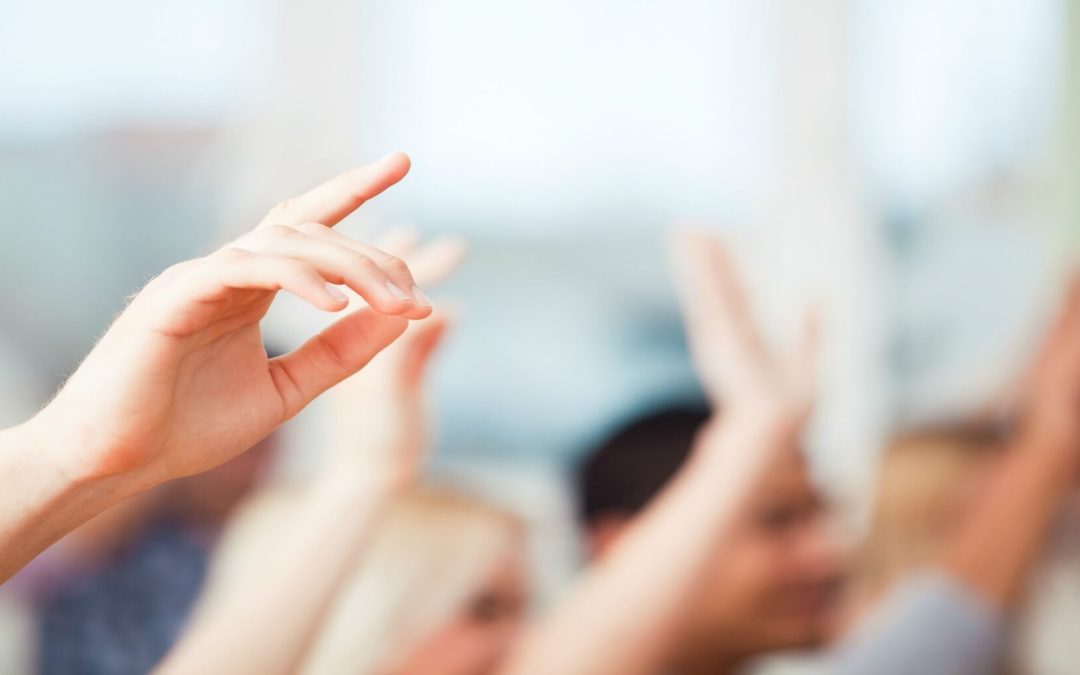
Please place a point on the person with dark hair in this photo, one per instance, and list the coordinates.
(628, 468)
(708, 543)
(775, 584)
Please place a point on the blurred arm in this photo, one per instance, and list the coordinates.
(266, 619)
(994, 549)
(952, 620)
(624, 615)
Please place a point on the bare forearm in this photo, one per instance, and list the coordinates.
(999, 540)
(42, 500)
(624, 614)
(266, 621)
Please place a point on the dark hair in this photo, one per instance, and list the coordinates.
(634, 463)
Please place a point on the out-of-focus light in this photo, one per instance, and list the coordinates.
(69, 65)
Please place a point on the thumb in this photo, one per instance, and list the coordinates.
(334, 354)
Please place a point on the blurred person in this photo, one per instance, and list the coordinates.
(439, 587)
(651, 589)
(112, 596)
(927, 483)
(181, 383)
(775, 584)
(639, 607)
(991, 531)
(927, 480)
(442, 590)
(418, 581)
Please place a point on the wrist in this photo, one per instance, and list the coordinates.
(771, 421)
(43, 500)
(68, 454)
(86, 451)
(40, 455)
(61, 447)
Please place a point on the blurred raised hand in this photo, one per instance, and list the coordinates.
(637, 595)
(738, 370)
(380, 426)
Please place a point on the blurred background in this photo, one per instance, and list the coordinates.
(910, 165)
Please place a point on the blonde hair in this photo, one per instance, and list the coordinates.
(430, 553)
(917, 495)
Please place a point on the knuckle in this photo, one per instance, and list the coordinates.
(396, 265)
(230, 254)
(281, 207)
(312, 228)
(359, 266)
(303, 269)
(362, 262)
(281, 231)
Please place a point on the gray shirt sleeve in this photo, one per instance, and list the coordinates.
(930, 623)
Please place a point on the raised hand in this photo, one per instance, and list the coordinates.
(181, 382)
(377, 438)
(736, 367)
(380, 428)
(637, 596)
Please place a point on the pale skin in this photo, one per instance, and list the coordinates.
(994, 548)
(181, 383)
(377, 446)
(624, 615)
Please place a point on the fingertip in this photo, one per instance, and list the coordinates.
(419, 312)
(399, 240)
(442, 323)
(386, 328)
(453, 246)
(449, 312)
(396, 164)
(397, 325)
(393, 307)
(686, 240)
(421, 298)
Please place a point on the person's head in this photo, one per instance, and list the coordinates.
(440, 590)
(774, 581)
(926, 479)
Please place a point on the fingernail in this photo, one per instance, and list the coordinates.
(336, 293)
(421, 297)
(396, 292)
